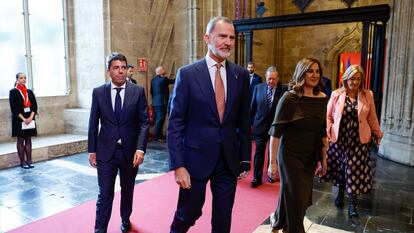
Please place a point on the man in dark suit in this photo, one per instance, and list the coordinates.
(254, 78)
(130, 73)
(160, 95)
(120, 108)
(327, 86)
(263, 106)
(208, 133)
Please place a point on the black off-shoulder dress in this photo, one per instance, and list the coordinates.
(300, 123)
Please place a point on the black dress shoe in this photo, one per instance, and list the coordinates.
(270, 180)
(125, 225)
(30, 165)
(255, 183)
(24, 166)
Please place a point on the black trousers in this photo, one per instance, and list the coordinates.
(107, 172)
(259, 156)
(159, 115)
(190, 201)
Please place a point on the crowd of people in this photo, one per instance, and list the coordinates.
(211, 124)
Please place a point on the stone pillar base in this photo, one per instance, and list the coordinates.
(397, 148)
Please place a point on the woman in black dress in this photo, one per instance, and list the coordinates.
(23, 108)
(298, 137)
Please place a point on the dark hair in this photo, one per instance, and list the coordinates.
(251, 63)
(212, 23)
(114, 56)
(17, 77)
(130, 66)
(298, 80)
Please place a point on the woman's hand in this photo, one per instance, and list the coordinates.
(27, 120)
(322, 167)
(272, 171)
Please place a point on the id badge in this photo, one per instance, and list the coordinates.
(27, 109)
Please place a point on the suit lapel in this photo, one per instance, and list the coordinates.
(361, 102)
(127, 98)
(206, 86)
(231, 88)
(109, 99)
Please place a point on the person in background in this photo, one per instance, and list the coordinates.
(351, 124)
(298, 137)
(254, 78)
(263, 106)
(130, 73)
(160, 93)
(118, 145)
(23, 108)
(208, 131)
(327, 86)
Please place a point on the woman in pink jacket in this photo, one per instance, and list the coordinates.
(351, 124)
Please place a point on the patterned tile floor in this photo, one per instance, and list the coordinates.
(59, 184)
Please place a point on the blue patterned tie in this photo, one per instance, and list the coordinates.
(269, 96)
(118, 104)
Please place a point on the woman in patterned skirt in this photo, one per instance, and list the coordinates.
(351, 124)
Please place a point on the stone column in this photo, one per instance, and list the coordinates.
(397, 108)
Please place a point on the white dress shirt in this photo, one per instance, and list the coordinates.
(113, 94)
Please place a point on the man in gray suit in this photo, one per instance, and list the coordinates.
(120, 108)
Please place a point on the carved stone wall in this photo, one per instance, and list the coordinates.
(398, 109)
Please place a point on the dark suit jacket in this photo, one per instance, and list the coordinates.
(195, 136)
(256, 80)
(132, 128)
(261, 115)
(160, 91)
(17, 107)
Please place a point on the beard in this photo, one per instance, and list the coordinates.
(219, 53)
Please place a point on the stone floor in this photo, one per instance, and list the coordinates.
(59, 184)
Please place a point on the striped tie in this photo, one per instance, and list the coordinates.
(220, 99)
(269, 96)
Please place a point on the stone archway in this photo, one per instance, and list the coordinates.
(349, 41)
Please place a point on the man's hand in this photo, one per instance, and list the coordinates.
(182, 178)
(138, 158)
(272, 171)
(244, 169)
(92, 159)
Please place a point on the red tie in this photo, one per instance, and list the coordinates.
(220, 99)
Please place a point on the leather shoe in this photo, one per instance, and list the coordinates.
(339, 200)
(125, 225)
(255, 183)
(24, 166)
(30, 165)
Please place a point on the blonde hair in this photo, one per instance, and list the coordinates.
(351, 72)
(298, 80)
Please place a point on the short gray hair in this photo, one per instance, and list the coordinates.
(271, 69)
(158, 69)
(212, 23)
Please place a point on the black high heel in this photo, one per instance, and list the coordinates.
(352, 208)
(24, 166)
(339, 201)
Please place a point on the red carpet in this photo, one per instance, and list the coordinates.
(154, 205)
